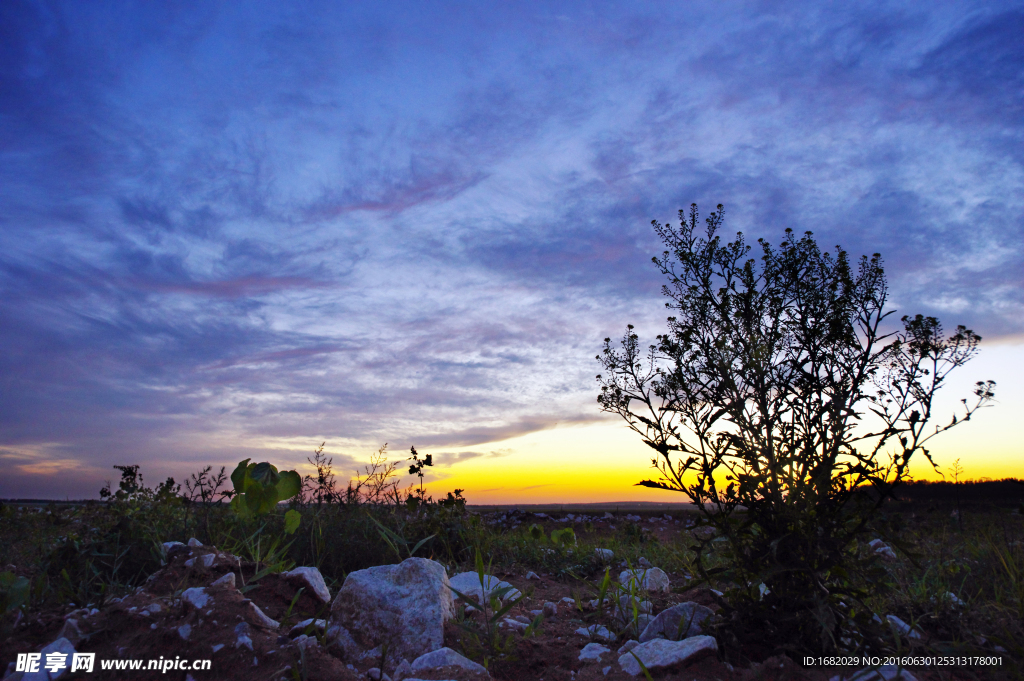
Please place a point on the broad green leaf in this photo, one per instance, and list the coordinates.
(265, 474)
(288, 485)
(291, 521)
(238, 476)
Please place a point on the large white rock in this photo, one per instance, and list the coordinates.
(404, 606)
(310, 577)
(61, 645)
(650, 579)
(445, 657)
(468, 584)
(686, 619)
(604, 555)
(660, 654)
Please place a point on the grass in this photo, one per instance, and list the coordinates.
(85, 554)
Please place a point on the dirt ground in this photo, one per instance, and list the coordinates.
(155, 623)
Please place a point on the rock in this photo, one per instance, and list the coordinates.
(597, 631)
(375, 674)
(644, 563)
(70, 631)
(151, 609)
(341, 644)
(445, 657)
(650, 579)
(902, 627)
(312, 578)
(592, 652)
(169, 544)
(197, 597)
(532, 575)
(257, 617)
(628, 646)
(206, 560)
(660, 654)
(226, 581)
(184, 631)
(689, 617)
(604, 555)
(571, 602)
(217, 648)
(62, 646)
(887, 672)
(882, 549)
(403, 671)
(405, 605)
(194, 543)
(301, 627)
(515, 624)
(608, 516)
(626, 603)
(550, 609)
(468, 584)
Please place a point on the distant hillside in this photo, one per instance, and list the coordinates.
(1005, 492)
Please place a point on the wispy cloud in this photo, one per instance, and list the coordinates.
(228, 229)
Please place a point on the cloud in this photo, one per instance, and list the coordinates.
(230, 231)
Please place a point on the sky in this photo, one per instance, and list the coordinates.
(240, 230)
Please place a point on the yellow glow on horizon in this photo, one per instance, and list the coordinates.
(602, 461)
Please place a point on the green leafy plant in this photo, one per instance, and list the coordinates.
(487, 634)
(14, 595)
(779, 405)
(259, 487)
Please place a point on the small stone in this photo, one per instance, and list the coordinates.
(532, 575)
(196, 597)
(550, 609)
(217, 648)
(592, 652)
(226, 581)
(604, 555)
(446, 657)
(678, 622)
(596, 631)
(257, 617)
(168, 545)
(184, 631)
(902, 627)
(660, 654)
(194, 543)
(243, 640)
(652, 579)
(312, 578)
(318, 625)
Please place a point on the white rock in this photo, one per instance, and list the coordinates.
(312, 578)
(596, 631)
(70, 631)
(375, 674)
(227, 581)
(689, 617)
(402, 671)
(650, 579)
(902, 627)
(196, 597)
(445, 657)
(194, 543)
(217, 648)
(659, 653)
(514, 624)
(627, 646)
(592, 652)
(571, 602)
(190, 562)
(256, 616)
(608, 516)
(882, 549)
(318, 625)
(532, 575)
(550, 609)
(243, 640)
(644, 563)
(468, 584)
(604, 555)
(61, 645)
(184, 631)
(207, 559)
(168, 544)
(151, 609)
(405, 605)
